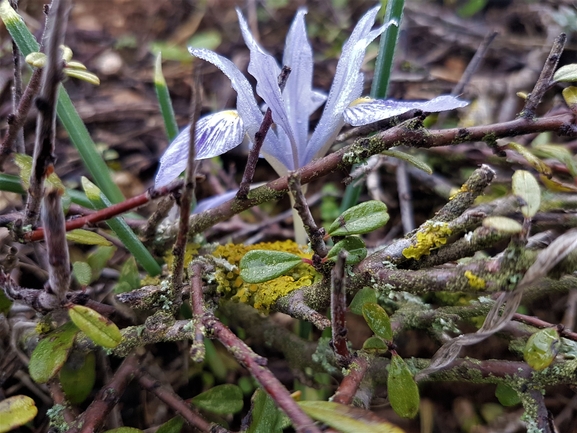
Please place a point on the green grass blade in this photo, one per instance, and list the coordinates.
(66, 112)
(122, 230)
(164, 100)
(387, 46)
(380, 85)
(11, 183)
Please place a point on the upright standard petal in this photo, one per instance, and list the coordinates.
(264, 68)
(366, 110)
(298, 93)
(215, 134)
(347, 85)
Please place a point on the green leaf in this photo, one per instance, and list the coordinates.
(222, 399)
(122, 230)
(83, 75)
(411, 159)
(402, 389)
(570, 96)
(533, 161)
(526, 187)
(471, 7)
(97, 327)
(24, 163)
(16, 411)
(347, 419)
(541, 349)
(258, 266)
(77, 376)
(506, 395)
(129, 278)
(566, 74)
(266, 416)
(378, 320)
(5, 303)
(98, 260)
(503, 224)
(82, 272)
(173, 425)
(362, 218)
(353, 245)
(375, 344)
(124, 430)
(209, 39)
(560, 153)
(51, 352)
(366, 294)
(11, 183)
(86, 237)
(164, 100)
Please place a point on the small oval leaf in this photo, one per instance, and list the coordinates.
(541, 349)
(82, 272)
(221, 399)
(526, 187)
(353, 245)
(402, 389)
(570, 96)
(258, 266)
(506, 395)
(411, 159)
(51, 352)
(503, 224)
(375, 344)
(366, 294)
(97, 327)
(360, 219)
(16, 411)
(533, 161)
(266, 416)
(77, 376)
(347, 419)
(378, 320)
(87, 237)
(567, 73)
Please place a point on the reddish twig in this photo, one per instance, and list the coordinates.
(350, 383)
(338, 309)
(256, 365)
(94, 416)
(110, 212)
(538, 323)
(259, 137)
(178, 405)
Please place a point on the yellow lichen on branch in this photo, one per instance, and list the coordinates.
(431, 235)
(263, 295)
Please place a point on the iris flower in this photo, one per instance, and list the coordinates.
(289, 146)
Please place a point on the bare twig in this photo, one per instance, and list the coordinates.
(197, 349)
(259, 137)
(405, 199)
(256, 365)
(172, 400)
(56, 245)
(163, 207)
(314, 233)
(350, 383)
(338, 309)
(179, 248)
(545, 78)
(94, 416)
(44, 158)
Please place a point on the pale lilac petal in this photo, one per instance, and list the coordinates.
(215, 134)
(367, 110)
(245, 102)
(298, 92)
(318, 98)
(347, 85)
(264, 68)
